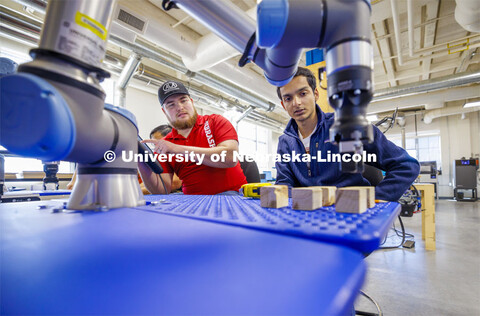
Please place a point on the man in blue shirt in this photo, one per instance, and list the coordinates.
(308, 132)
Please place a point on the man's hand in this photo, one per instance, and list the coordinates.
(227, 146)
(164, 147)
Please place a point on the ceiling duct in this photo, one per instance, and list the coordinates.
(427, 86)
(201, 77)
(173, 63)
(419, 88)
(150, 76)
(467, 14)
(429, 116)
(13, 27)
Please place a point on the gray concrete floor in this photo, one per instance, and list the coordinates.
(419, 282)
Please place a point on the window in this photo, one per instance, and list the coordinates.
(19, 164)
(18, 57)
(108, 86)
(253, 140)
(423, 148)
(429, 149)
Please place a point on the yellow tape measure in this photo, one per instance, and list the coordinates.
(252, 189)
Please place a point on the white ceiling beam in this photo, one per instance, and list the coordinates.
(429, 37)
(414, 33)
(412, 73)
(385, 52)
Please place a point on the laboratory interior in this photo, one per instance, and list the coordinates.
(239, 157)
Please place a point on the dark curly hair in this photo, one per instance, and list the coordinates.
(301, 71)
(162, 129)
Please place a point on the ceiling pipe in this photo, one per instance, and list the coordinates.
(32, 40)
(384, 94)
(37, 5)
(175, 64)
(150, 76)
(244, 78)
(201, 77)
(211, 50)
(396, 92)
(12, 18)
(232, 91)
(396, 28)
(410, 26)
(245, 114)
(429, 116)
(27, 40)
(414, 101)
(208, 52)
(125, 76)
(207, 101)
(427, 86)
(230, 23)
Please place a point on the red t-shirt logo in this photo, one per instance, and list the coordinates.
(208, 132)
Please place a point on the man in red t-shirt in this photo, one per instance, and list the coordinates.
(200, 148)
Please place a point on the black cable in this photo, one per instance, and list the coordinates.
(417, 195)
(381, 121)
(380, 313)
(388, 118)
(399, 233)
(163, 183)
(407, 235)
(168, 4)
(384, 239)
(361, 313)
(403, 236)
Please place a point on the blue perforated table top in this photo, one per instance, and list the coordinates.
(363, 232)
(132, 262)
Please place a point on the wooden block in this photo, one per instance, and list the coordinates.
(351, 200)
(307, 198)
(64, 175)
(328, 193)
(31, 175)
(274, 196)
(370, 195)
(10, 175)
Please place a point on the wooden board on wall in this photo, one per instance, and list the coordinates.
(322, 99)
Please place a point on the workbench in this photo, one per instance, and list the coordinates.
(161, 259)
(427, 194)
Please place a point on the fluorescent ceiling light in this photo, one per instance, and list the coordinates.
(471, 104)
(372, 118)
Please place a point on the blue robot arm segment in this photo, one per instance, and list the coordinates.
(285, 28)
(36, 120)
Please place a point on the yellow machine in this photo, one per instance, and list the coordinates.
(252, 189)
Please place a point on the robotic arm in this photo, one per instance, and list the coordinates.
(53, 108)
(275, 44)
